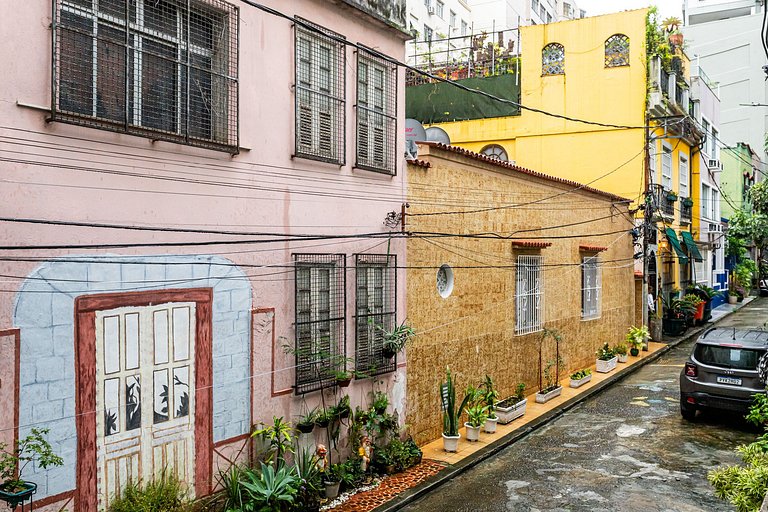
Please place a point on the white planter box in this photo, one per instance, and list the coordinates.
(473, 433)
(507, 414)
(490, 425)
(606, 366)
(581, 382)
(542, 398)
(623, 358)
(451, 443)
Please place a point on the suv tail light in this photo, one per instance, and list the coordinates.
(691, 370)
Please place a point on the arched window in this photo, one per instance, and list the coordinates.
(495, 151)
(617, 51)
(553, 59)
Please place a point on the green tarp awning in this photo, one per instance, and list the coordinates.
(672, 237)
(691, 245)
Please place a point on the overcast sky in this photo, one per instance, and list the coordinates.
(666, 7)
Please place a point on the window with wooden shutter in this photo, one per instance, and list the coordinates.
(375, 310)
(376, 114)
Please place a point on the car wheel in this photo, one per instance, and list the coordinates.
(688, 413)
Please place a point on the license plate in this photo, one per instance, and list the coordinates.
(729, 380)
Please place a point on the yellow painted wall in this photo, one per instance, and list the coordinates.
(588, 90)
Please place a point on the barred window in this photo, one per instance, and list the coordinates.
(376, 113)
(591, 287)
(553, 59)
(376, 309)
(496, 152)
(320, 82)
(164, 69)
(617, 51)
(320, 320)
(529, 295)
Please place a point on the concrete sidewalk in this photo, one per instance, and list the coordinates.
(538, 415)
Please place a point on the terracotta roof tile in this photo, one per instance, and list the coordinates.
(592, 248)
(419, 163)
(507, 165)
(531, 244)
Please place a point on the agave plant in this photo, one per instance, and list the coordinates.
(451, 414)
(271, 489)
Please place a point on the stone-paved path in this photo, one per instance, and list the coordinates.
(390, 487)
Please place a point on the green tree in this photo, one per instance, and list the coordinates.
(752, 226)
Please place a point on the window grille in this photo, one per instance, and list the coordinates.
(320, 351)
(617, 51)
(529, 295)
(496, 152)
(320, 106)
(375, 305)
(164, 69)
(553, 59)
(591, 287)
(376, 114)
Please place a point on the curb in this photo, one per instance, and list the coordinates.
(433, 482)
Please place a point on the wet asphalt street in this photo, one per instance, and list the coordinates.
(626, 449)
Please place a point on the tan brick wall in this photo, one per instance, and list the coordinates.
(473, 330)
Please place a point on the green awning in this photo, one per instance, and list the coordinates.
(672, 237)
(691, 245)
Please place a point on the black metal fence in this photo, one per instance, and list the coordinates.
(375, 311)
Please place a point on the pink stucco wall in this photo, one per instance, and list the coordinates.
(64, 172)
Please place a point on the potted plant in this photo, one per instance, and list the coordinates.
(490, 396)
(606, 359)
(323, 418)
(33, 448)
(341, 410)
(512, 407)
(396, 339)
(451, 414)
(636, 338)
(671, 196)
(552, 388)
(332, 480)
(675, 320)
(343, 378)
(671, 26)
(476, 413)
(379, 402)
(688, 202)
(621, 351)
(733, 295)
(698, 305)
(306, 423)
(581, 377)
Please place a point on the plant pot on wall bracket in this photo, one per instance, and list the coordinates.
(671, 197)
(688, 202)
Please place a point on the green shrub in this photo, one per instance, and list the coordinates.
(164, 494)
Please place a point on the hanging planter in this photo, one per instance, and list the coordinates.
(688, 202)
(671, 197)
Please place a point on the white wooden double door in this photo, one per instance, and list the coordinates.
(145, 405)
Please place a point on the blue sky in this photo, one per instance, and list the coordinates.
(666, 7)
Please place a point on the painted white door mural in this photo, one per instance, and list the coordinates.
(144, 395)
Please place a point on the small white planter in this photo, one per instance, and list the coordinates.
(473, 433)
(606, 366)
(581, 381)
(507, 414)
(542, 398)
(490, 425)
(451, 443)
(622, 358)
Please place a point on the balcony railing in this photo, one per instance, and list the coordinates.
(686, 210)
(663, 201)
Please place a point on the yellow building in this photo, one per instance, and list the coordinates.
(597, 69)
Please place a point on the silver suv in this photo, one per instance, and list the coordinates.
(721, 372)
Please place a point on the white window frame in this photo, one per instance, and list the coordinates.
(682, 171)
(713, 152)
(452, 20)
(591, 288)
(666, 163)
(653, 155)
(440, 9)
(706, 126)
(705, 199)
(714, 205)
(529, 294)
(464, 27)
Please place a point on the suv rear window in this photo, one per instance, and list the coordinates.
(728, 357)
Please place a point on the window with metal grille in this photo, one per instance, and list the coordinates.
(376, 113)
(320, 319)
(529, 295)
(320, 105)
(591, 287)
(375, 309)
(164, 69)
(553, 59)
(617, 51)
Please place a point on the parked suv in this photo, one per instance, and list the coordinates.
(721, 372)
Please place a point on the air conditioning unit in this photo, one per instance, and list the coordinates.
(431, 9)
(715, 228)
(714, 163)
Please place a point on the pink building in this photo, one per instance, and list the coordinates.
(190, 187)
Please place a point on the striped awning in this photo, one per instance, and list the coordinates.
(690, 244)
(672, 237)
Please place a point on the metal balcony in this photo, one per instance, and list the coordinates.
(661, 198)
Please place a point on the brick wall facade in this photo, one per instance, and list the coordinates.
(473, 330)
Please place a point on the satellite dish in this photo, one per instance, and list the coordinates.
(435, 134)
(414, 132)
